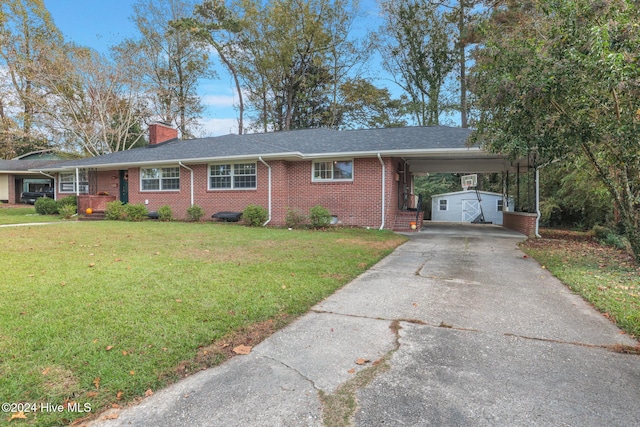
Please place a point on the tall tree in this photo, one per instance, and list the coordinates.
(418, 53)
(97, 108)
(294, 56)
(216, 25)
(364, 106)
(565, 82)
(28, 41)
(171, 62)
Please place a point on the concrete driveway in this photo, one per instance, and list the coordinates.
(455, 328)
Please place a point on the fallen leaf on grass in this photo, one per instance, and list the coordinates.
(18, 416)
(92, 394)
(242, 349)
(93, 264)
(109, 348)
(132, 372)
(110, 417)
(46, 371)
(119, 395)
(96, 382)
(178, 300)
(148, 393)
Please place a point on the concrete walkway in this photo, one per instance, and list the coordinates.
(472, 333)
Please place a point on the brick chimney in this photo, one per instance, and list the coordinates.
(161, 132)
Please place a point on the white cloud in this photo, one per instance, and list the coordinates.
(217, 127)
(218, 100)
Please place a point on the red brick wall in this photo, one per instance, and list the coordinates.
(521, 222)
(356, 202)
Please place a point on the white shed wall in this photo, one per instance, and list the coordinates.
(455, 201)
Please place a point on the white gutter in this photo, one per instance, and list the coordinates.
(188, 168)
(268, 220)
(55, 187)
(384, 172)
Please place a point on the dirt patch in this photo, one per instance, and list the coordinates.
(222, 349)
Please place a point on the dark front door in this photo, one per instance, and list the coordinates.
(124, 186)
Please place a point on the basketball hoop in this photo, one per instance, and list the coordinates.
(468, 181)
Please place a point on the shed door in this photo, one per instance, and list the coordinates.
(470, 210)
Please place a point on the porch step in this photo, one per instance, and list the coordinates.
(405, 218)
(95, 216)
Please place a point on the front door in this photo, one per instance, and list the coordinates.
(124, 186)
(470, 210)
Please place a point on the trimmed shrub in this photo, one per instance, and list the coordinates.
(135, 212)
(294, 218)
(165, 213)
(68, 201)
(67, 211)
(46, 206)
(115, 211)
(319, 216)
(195, 213)
(254, 215)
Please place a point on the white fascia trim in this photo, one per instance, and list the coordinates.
(398, 153)
(197, 160)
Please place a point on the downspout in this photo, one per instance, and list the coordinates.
(191, 170)
(77, 182)
(384, 173)
(55, 188)
(537, 202)
(269, 167)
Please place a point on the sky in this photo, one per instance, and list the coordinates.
(102, 23)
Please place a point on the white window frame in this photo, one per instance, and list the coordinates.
(329, 173)
(236, 172)
(83, 182)
(445, 204)
(161, 178)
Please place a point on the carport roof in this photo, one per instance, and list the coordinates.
(426, 149)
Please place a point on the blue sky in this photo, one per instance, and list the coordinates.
(102, 23)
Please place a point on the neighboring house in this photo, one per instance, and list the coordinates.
(468, 206)
(22, 174)
(363, 177)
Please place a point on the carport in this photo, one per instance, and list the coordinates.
(474, 160)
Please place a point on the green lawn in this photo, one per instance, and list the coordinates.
(101, 312)
(22, 215)
(606, 277)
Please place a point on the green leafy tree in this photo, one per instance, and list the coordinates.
(216, 25)
(169, 62)
(365, 106)
(565, 83)
(418, 53)
(29, 43)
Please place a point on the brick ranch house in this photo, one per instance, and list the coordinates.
(363, 177)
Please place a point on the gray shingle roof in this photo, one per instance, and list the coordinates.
(25, 165)
(307, 143)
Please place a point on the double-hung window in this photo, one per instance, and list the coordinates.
(69, 184)
(231, 176)
(160, 179)
(333, 170)
(443, 205)
(500, 205)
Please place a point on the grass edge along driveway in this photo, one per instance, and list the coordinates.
(97, 314)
